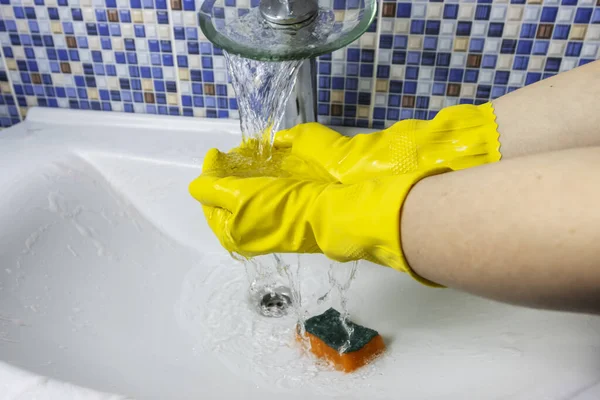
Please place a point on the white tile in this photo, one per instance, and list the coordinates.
(492, 45)
(436, 102)
(88, 15)
(116, 106)
(185, 87)
(505, 61)
(458, 59)
(387, 25)
(143, 58)
(466, 11)
(100, 81)
(385, 56)
(169, 73)
(418, 10)
(220, 77)
(62, 103)
(43, 66)
(177, 17)
(85, 55)
(423, 88)
(498, 13)
(368, 40)
(486, 76)
(149, 16)
(141, 44)
(337, 69)
(556, 48)
(444, 44)
(79, 29)
(151, 31)
(364, 85)
(447, 28)
(401, 25)
(380, 99)
(479, 28)
(189, 19)
(450, 101)
(59, 41)
(139, 108)
(434, 10)
(589, 50)
(108, 57)
(339, 55)
(593, 32)
(568, 64)
(40, 53)
(426, 73)
(44, 27)
(531, 14)
(586, 2)
(64, 13)
(511, 30)
(565, 15)
(397, 71)
(122, 70)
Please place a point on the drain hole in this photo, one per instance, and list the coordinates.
(275, 303)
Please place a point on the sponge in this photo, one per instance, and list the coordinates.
(327, 335)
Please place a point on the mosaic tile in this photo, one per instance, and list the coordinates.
(149, 56)
(9, 112)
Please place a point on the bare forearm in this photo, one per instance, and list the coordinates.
(524, 231)
(554, 114)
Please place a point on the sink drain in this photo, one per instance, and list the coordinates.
(275, 303)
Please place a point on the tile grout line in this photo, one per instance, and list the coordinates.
(175, 54)
(375, 61)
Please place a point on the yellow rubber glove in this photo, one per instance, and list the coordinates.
(257, 208)
(458, 137)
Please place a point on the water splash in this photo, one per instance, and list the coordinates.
(340, 279)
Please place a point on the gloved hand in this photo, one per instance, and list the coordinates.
(258, 208)
(458, 137)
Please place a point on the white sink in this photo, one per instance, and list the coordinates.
(111, 282)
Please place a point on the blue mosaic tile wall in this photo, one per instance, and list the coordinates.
(149, 56)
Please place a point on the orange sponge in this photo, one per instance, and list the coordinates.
(327, 335)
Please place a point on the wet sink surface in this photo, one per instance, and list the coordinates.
(111, 280)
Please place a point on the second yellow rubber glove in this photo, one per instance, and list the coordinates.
(459, 137)
(255, 212)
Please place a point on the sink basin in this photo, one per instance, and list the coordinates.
(112, 287)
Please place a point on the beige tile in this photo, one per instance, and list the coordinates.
(127, 30)
(536, 63)
(163, 32)
(199, 112)
(184, 74)
(337, 96)
(56, 27)
(505, 61)
(368, 40)
(401, 26)
(194, 61)
(514, 13)
(172, 99)
(22, 26)
(76, 68)
(5, 87)
(137, 17)
(363, 112)
(467, 90)
(117, 43)
(31, 101)
(534, 1)
(460, 44)
(147, 84)
(382, 85)
(11, 64)
(189, 19)
(434, 10)
(92, 93)
(149, 16)
(88, 15)
(23, 111)
(511, 30)
(578, 32)
(113, 82)
(340, 15)
(94, 42)
(415, 42)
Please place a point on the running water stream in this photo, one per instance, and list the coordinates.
(262, 90)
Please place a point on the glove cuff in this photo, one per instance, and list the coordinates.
(459, 137)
